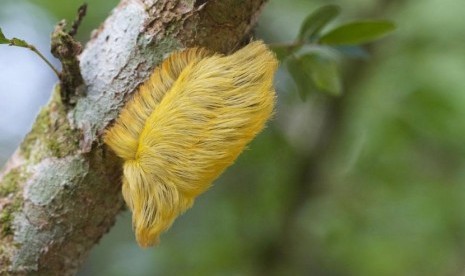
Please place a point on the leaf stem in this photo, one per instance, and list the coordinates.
(34, 49)
(294, 44)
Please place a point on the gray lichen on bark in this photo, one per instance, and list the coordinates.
(60, 191)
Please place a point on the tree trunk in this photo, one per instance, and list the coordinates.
(60, 191)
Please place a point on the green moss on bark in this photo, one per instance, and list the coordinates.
(51, 135)
(10, 191)
(9, 184)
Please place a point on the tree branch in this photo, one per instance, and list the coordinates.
(60, 191)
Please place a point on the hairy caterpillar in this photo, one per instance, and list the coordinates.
(185, 125)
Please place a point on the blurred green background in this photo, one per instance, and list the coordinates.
(368, 183)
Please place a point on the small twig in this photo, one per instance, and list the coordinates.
(66, 48)
(285, 45)
(77, 22)
(34, 49)
(23, 44)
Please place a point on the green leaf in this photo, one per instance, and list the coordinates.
(14, 41)
(317, 20)
(284, 50)
(302, 80)
(3, 39)
(324, 72)
(358, 32)
(19, 42)
(315, 71)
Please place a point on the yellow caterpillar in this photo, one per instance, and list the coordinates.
(185, 125)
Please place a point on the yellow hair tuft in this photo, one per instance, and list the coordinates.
(186, 124)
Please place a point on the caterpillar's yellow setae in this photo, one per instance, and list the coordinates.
(186, 124)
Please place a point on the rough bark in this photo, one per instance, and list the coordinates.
(60, 191)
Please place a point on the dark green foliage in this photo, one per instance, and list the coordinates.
(357, 32)
(314, 70)
(317, 20)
